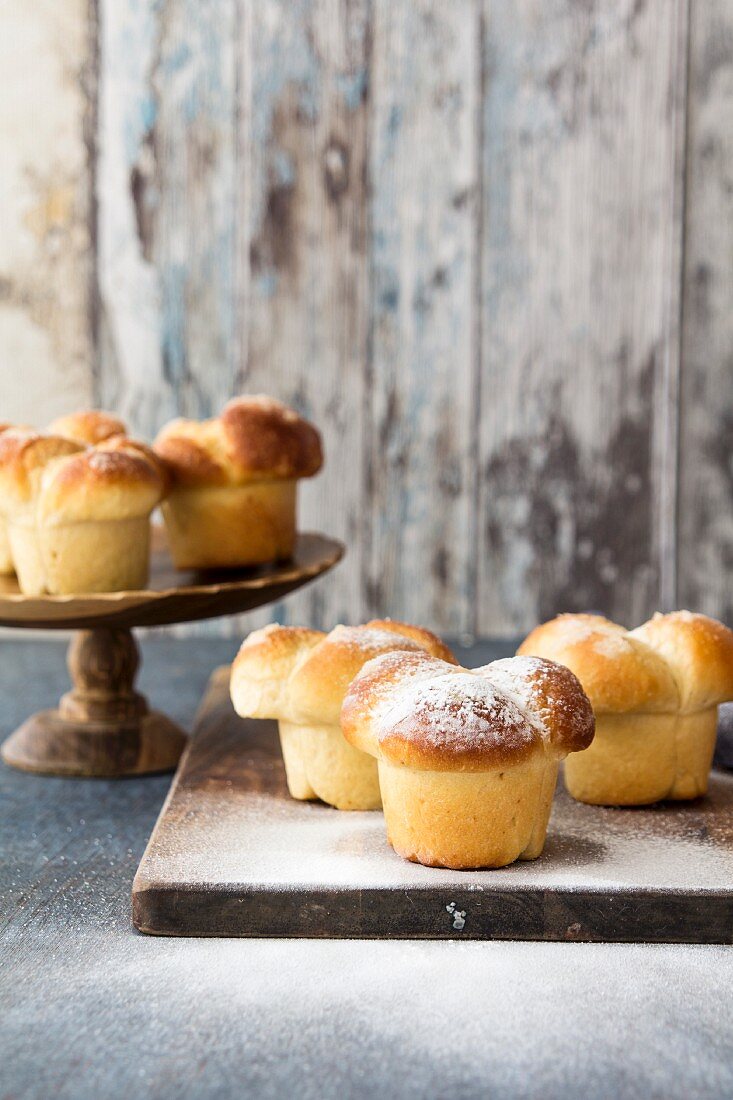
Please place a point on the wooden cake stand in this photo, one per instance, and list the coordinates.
(103, 726)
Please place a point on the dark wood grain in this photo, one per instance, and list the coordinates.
(580, 281)
(233, 855)
(102, 727)
(424, 247)
(174, 596)
(304, 112)
(705, 530)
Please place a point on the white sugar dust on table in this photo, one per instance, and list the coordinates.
(233, 854)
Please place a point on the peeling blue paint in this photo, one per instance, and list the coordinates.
(148, 113)
(352, 87)
(283, 168)
(394, 120)
(173, 278)
(267, 284)
(178, 58)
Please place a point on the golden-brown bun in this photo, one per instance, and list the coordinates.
(254, 439)
(81, 517)
(108, 482)
(317, 686)
(299, 677)
(619, 673)
(698, 651)
(234, 482)
(6, 558)
(421, 712)
(655, 691)
(638, 759)
(262, 669)
(467, 759)
(224, 527)
(24, 455)
(90, 426)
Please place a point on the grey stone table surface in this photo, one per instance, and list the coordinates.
(90, 1008)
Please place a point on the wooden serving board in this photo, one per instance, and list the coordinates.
(233, 855)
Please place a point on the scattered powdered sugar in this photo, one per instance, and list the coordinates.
(458, 712)
(607, 639)
(610, 645)
(519, 678)
(516, 674)
(103, 461)
(369, 637)
(549, 691)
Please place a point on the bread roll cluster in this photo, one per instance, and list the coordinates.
(655, 692)
(300, 677)
(234, 478)
(463, 761)
(78, 517)
(76, 500)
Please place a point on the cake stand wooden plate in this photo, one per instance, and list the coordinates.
(103, 726)
(233, 855)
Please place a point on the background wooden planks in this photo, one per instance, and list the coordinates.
(580, 289)
(423, 369)
(303, 248)
(705, 530)
(47, 133)
(487, 247)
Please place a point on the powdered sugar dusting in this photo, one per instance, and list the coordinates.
(458, 712)
(551, 693)
(517, 678)
(372, 638)
(104, 461)
(610, 645)
(570, 629)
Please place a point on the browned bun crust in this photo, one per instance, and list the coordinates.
(618, 670)
(135, 446)
(699, 652)
(255, 438)
(112, 481)
(194, 453)
(318, 685)
(262, 668)
(428, 641)
(552, 693)
(419, 712)
(266, 437)
(306, 672)
(90, 426)
(23, 456)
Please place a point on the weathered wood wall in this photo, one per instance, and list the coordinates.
(486, 246)
(47, 223)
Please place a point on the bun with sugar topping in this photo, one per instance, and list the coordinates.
(234, 481)
(467, 759)
(299, 677)
(655, 692)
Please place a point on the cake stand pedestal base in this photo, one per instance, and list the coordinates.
(102, 727)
